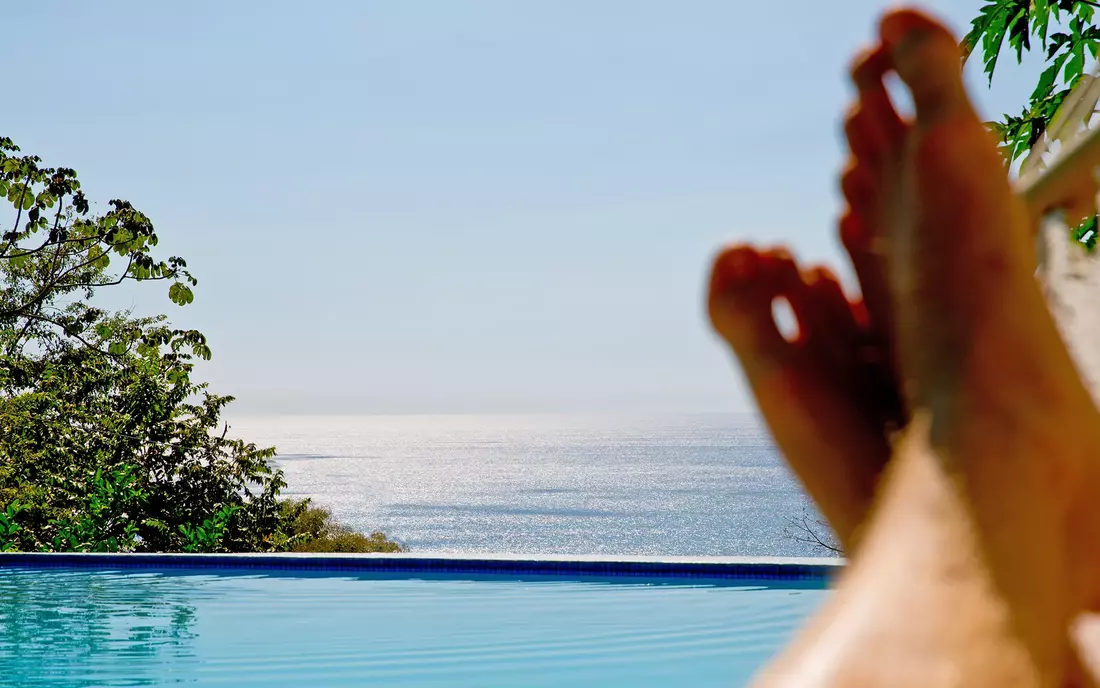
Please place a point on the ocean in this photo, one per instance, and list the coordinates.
(653, 485)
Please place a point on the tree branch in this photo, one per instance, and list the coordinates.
(124, 276)
(68, 333)
(118, 281)
(18, 213)
(808, 531)
(46, 244)
(55, 281)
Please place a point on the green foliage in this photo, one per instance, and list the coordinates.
(313, 530)
(106, 442)
(57, 246)
(8, 527)
(100, 521)
(1065, 32)
(208, 536)
(348, 541)
(121, 452)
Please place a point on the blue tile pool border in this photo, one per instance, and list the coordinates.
(763, 569)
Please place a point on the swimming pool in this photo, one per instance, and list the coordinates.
(67, 623)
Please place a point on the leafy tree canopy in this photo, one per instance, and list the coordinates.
(106, 442)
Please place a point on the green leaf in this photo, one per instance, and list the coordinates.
(180, 294)
(45, 198)
(1046, 81)
(1019, 32)
(991, 30)
(1075, 66)
(1084, 11)
(1040, 9)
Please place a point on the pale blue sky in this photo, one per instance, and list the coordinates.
(454, 206)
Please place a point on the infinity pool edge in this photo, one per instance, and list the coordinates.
(601, 566)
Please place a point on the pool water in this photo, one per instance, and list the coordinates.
(69, 627)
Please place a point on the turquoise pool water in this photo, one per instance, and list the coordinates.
(69, 627)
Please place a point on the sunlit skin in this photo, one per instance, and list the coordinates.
(973, 547)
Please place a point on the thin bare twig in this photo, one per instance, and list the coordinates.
(812, 531)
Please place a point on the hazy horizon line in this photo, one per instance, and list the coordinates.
(402, 414)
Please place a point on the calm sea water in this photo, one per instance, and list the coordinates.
(673, 485)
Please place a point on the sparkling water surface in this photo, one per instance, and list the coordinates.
(84, 629)
(657, 485)
(684, 485)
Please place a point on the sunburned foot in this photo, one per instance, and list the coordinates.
(826, 396)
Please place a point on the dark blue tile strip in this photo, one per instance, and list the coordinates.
(431, 565)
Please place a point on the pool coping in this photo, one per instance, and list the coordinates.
(809, 569)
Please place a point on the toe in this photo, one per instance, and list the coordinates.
(830, 329)
(860, 358)
(744, 285)
(864, 137)
(870, 269)
(831, 320)
(929, 60)
(859, 190)
(878, 112)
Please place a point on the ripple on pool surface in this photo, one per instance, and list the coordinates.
(87, 628)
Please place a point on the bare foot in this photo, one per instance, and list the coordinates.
(826, 395)
(992, 478)
(978, 347)
(982, 363)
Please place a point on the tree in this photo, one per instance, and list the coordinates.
(106, 442)
(57, 247)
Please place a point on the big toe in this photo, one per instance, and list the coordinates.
(927, 57)
(745, 283)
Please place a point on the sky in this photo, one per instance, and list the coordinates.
(483, 206)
